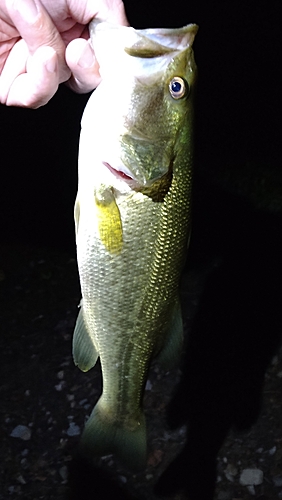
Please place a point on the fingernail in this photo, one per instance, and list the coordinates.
(28, 10)
(87, 57)
(51, 65)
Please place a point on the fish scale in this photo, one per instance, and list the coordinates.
(132, 218)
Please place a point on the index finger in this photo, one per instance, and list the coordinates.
(37, 29)
(83, 11)
(80, 55)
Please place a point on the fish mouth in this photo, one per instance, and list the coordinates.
(122, 174)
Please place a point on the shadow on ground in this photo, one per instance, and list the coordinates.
(234, 335)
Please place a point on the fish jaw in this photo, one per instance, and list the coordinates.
(118, 165)
(141, 119)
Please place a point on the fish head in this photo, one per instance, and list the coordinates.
(145, 98)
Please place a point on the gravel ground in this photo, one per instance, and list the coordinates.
(214, 424)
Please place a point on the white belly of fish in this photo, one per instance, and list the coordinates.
(113, 284)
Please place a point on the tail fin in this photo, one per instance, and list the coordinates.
(103, 436)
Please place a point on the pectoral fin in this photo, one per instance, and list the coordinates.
(83, 349)
(109, 221)
(76, 214)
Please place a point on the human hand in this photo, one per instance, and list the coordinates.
(34, 35)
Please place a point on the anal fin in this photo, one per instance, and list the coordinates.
(84, 352)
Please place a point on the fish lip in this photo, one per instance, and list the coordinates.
(121, 175)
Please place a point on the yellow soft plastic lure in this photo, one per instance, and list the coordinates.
(108, 219)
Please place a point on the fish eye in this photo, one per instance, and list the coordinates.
(178, 87)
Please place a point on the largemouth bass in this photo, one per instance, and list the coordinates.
(132, 217)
